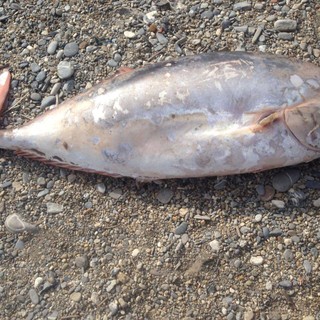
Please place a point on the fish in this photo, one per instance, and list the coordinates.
(214, 114)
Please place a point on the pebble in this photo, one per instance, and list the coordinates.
(41, 76)
(278, 203)
(257, 34)
(288, 255)
(35, 96)
(55, 89)
(53, 315)
(111, 285)
(19, 245)
(112, 63)
(113, 306)
(244, 5)
(65, 70)
(161, 38)
(182, 228)
(307, 266)
(316, 203)
(35, 67)
(164, 196)
(48, 101)
(285, 36)
(285, 25)
(117, 57)
(284, 180)
(34, 296)
(256, 260)
(135, 253)
(54, 208)
(75, 296)
(308, 318)
(258, 217)
(71, 49)
(15, 224)
(215, 245)
(286, 284)
(52, 47)
(82, 262)
(129, 34)
(248, 315)
(101, 188)
(38, 282)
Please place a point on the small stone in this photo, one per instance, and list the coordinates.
(117, 57)
(316, 203)
(285, 25)
(308, 318)
(82, 262)
(285, 36)
(269, 285)
(135, 253)
(65, 70)
(48, 101)
(123, 303)
(41, 181)
(286, 284)
(257, 34)
(182, 228)
(55, 89)
(35, 67)
(54, 208)
(41, 76)
(208, 14)
(161, 38)
(276, 232)
(113, 306)
(244, 5)
(15, 224)
(248, 315)
(284, 180)
(215, 245)
(52, 47)
(307, 266)
(38, 282)
(101, 188)
(129, 34)
(164, 196)
(112, 63)
(35, 96)
(278, 203)
(75, 296)
(111, 285)
(115, 194)
(288, 255)
(34, 296)
(256, 260)
(53, 316)
(19, 245)
(71, 49)
(258, 217)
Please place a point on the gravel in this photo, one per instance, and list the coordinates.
(239, 247)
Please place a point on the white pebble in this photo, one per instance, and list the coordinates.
(135, 253)
(256, 261)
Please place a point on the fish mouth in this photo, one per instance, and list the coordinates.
(303, 121)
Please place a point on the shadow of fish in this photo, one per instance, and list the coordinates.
(205, 115)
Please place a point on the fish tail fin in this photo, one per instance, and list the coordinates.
(5, 78)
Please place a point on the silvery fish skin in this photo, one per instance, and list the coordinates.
(205, 115)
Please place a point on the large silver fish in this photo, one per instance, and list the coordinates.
(211, 114)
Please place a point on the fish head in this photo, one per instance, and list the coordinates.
(303, 121)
